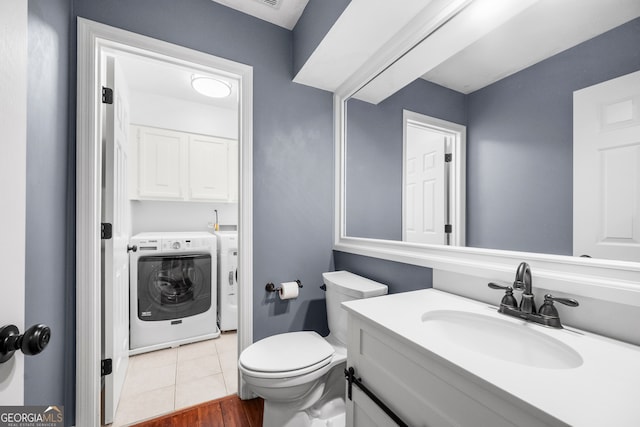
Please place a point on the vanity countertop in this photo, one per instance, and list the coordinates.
(602, 390)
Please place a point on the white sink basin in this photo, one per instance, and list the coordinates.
(515, 342)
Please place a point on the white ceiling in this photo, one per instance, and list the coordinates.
(368, 30)
(539, 32)
(284, 13)
(160, 78)
(364, 28)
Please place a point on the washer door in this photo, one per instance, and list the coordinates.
(173, 286)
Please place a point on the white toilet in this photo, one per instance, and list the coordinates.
(300, 375)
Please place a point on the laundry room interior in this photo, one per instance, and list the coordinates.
(183, 246)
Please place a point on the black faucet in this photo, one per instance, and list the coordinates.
(548, 315)
(523, 283)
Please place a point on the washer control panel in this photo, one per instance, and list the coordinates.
(181, 244)
(151, 243)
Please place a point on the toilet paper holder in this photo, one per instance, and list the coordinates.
(270, 287)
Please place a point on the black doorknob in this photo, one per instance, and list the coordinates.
(32, 342)
(35, 339)
(132, 248)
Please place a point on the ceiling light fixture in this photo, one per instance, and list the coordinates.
(208, 86)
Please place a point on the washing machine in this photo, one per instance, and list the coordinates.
(173, 282)
(227, 280)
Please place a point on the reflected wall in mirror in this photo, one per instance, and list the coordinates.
(519, 120)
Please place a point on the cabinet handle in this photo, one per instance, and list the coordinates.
(352, 379)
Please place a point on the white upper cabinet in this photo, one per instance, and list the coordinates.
(208, 171)
(172, 165)
(161, 155)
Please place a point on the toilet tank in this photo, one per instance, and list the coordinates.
(345, 286)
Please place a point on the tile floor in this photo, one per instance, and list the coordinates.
(164, 381)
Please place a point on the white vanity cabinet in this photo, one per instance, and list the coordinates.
(173, 165)
(423, 389)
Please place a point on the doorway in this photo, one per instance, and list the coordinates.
(94, 40)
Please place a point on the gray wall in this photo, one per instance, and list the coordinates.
(519, 146)
(293, 167)
(316, 21)
(49, 376)
(397, 276)
(374, 155)
(160, 215)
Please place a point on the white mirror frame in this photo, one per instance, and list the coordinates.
(615, 281)
(609, 280)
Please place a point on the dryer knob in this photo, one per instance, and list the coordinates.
(176, 245)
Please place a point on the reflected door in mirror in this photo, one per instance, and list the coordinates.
(425, 210)
(606, 153)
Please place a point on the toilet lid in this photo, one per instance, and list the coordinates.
(286, 352)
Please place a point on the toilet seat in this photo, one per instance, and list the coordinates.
(286, 355)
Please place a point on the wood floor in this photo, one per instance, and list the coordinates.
(229, 411)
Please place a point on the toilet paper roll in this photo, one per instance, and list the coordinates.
(288, 290)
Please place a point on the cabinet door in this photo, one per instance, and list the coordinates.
(160, 162)
(208, 173)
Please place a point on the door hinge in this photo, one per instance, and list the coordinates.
(106, 367)
(107, 95)
(448, 228)
(448, 157)
(106, 231)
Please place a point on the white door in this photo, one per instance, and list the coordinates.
(606, 169)
(13, 155)
(115, 259)
(425, 204)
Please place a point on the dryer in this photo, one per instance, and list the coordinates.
(172, 286)
(227, 280)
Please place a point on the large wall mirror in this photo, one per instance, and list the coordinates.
(532, 168)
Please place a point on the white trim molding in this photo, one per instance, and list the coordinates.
(613, 281)
(93, 38)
